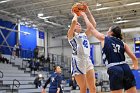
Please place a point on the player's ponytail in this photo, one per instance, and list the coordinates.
(116, 32)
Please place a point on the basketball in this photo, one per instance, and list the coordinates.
(78, 7)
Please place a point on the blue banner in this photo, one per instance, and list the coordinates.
(11, 40)
(41, 35)
(137, 46)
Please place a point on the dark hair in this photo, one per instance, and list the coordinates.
(55, 67)
(116, 32)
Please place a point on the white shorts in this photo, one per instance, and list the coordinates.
(80, 65)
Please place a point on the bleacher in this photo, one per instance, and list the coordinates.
(22, 79)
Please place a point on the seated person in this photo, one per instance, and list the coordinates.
(73, 83)
(32, 65)
(38, 81)
(37, 64)
(3, 59)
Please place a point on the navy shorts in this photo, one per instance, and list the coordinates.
(54, 90)
(121, 77)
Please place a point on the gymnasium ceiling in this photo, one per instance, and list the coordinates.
(57, 16)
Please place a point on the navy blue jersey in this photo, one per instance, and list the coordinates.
(113, 50)
(55, 82)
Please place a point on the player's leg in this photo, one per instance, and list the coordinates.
(116, 76)
(81, 81)
(129, 80)
(79, 71)
(132, 90)
(90, 77)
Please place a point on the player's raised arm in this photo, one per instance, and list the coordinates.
(94, 31)
(132, 56)
(88, 24)
(72, 27)
(89, 14)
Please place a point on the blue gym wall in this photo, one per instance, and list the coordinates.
(28, 42)
(12, 37)
(137, 78)
(92, 53)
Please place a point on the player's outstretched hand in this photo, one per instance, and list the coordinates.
(85, 5)
(135, 67)
(82, 13)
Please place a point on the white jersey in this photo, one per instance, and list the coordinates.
(80, 45)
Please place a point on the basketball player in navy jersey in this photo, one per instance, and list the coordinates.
(81, 65)
(113, 49)
(55, 82)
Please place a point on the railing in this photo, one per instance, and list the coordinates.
(16, 85)
(63, 61)
(24, 53)
(1, 74)
(12, 58)
(4, 49)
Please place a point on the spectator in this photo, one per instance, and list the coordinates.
(32, 65)
(3, 60)
(48, 61)
(20, 49)
(73, 83)
(55, 82)
(16, 49)
(36, 50)
(38, 81)
(42, 60)
(37, 64)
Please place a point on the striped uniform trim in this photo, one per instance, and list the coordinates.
(72, 66)
(108, 65)
(74, 46)
(75, 67)
(104, 58)
(116, 63)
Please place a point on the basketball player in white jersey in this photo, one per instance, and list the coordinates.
(81, 65)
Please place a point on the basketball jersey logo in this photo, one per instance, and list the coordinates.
(85, 43)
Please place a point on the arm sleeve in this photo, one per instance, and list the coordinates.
(47, 82)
